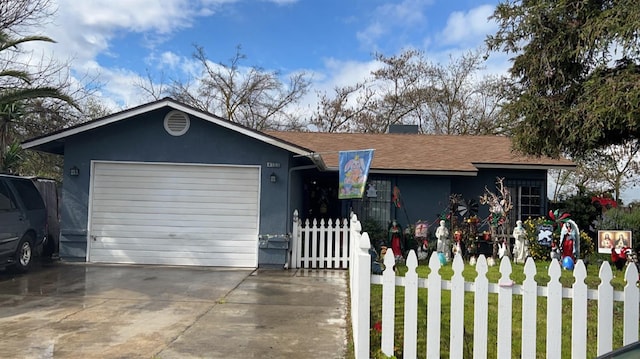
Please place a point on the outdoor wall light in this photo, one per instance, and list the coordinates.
(74, 171)
(273, 178)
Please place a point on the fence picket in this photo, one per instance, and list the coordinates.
(434, 302)
(345, 246)
(456, 337)
(388, 303)
(529, 314)
(579, 312)
(554, 311)
(410, 350)
(505, 307)
(481, 309)
(630, 334)
(605, 309)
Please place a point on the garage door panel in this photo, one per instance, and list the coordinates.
(146, 193)
(156, 205)
(189, 246)
(135, 217)
(174, 214)
(175, 183)
(108, 211)
(200, 241)
(211, 262)
(222, 233)
(159, 170)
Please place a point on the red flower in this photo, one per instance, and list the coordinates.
(378, 327)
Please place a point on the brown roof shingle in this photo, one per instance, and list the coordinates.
(417, 152)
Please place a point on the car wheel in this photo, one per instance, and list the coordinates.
(24, 255)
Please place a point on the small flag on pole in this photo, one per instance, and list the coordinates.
(354, 169)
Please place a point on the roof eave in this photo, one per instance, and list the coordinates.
(417, 172)
(525, 166)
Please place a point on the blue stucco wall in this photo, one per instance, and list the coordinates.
(144, 139)
(424, 197)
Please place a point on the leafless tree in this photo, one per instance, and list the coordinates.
(409, 89)
(250, 96)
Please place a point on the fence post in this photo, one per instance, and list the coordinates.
(360, 297)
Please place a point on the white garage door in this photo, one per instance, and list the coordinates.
(174, 214)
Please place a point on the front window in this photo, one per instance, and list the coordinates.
(375, 203)
(528, 199)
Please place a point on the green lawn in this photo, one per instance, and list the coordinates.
(493, 275)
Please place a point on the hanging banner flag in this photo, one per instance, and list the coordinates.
(354, 169)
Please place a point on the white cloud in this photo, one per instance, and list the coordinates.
(391, 19)
(469, 27)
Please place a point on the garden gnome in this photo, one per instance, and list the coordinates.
(520, 247)
(442, 234)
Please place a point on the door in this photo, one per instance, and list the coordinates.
(178, 214)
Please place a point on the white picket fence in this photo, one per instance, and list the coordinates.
(361, 280)
(319, 243)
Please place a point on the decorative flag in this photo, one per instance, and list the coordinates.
(354, 169)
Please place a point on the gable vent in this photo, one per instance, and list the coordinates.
(176, 123)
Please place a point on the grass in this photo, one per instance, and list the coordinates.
(494, 275)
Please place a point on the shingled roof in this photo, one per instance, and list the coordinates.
(418, 153)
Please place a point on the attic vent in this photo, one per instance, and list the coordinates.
(176, 123)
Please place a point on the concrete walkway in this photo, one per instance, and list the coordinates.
(119, 311)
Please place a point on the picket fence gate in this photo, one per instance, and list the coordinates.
(360, 286)
(319, 243)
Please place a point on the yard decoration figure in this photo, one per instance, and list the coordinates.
(442, 234)
(499, 207)
(569, 240)
(395, 240)
(421, 237)
(520, 247)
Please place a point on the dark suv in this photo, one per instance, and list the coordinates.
(23, 222)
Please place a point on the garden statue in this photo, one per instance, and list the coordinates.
(569, 240)
(395, 240)
(520, 247)
(442, 234)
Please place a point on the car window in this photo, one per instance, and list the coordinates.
(28, 193)
(7, 201)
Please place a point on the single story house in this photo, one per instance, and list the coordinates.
(165, 183)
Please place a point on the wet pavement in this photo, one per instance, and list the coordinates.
(62, 310)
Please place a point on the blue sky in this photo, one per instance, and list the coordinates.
(119, 41)
(331, 40)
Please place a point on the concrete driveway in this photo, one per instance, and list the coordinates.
(83, 310)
